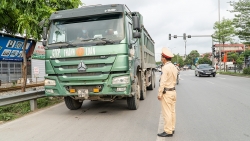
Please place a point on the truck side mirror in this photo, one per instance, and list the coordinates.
(136, 23)
(136, 35)
(44, 43)
(44, 33)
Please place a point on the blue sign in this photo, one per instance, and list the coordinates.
(11, 48)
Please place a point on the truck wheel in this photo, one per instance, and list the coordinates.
(151, 86)
(72, 104)
(143, 92)
(154, 79)
(133, 102)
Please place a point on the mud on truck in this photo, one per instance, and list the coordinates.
(116, 60)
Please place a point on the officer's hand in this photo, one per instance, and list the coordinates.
(159, 97)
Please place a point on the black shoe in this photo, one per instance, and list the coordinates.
(164, 134)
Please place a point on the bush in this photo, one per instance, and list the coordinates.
(14, 111)
(246, 71)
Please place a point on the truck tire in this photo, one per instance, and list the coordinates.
(133, 102)
(72, 104)
(152, 78)
(144, 88)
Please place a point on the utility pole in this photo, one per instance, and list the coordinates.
(185, 48)
(219, 34)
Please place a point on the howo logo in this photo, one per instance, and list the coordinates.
(81, 67)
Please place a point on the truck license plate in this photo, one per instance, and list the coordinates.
(83, 93)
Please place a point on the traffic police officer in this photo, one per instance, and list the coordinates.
(167, 93)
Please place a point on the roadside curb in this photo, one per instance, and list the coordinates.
(160, 128)
(235, 75)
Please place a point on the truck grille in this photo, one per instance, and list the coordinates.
(88, 66)
(85, 58)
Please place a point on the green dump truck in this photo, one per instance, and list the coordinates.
(100, 52)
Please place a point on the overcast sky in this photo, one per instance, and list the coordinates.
(175, 17)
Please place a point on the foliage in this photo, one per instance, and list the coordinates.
(13, 111)
(23, 17)
(234, 74)
(247, 53)
(191, 57)
(223, 31)
(246, 71)
(158, 63)
(204, 60)
(232, 56)
(241, 20)
(178, 59)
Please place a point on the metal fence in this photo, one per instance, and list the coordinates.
(32, 96)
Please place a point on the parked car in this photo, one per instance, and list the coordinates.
(185, 67)
(205, 70)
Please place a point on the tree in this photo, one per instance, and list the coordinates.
(178, 59)
(223, 31)
(205, 60)
(190, 57)
(24, 18)
(232, 56)
(241, 20)
(247, 53)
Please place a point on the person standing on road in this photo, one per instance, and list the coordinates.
(167, 93)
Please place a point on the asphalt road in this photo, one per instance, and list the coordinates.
(208, 109)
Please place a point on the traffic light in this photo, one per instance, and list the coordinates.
(175, 36)
(189, 36)
(184, 36)
(213, 48)
(169, 37)
(222, 54)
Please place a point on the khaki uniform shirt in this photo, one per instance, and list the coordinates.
(168, 77)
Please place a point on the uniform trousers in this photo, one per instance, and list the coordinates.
(168, 102)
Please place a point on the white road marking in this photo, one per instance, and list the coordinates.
(160, 128)
(221, 78)
(210, 82)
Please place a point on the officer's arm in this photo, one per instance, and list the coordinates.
(163, 81)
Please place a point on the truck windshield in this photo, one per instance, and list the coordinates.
(75, 30)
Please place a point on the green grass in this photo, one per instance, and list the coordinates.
(17, 110)
(234, 74)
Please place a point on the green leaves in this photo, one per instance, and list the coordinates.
(223, 31)
(23, 16)
(178, 59)
(191, 57)
(241, 20)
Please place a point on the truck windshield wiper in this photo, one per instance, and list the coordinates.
(68, 44)
(102, 39)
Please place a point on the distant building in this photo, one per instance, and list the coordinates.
(229, 47)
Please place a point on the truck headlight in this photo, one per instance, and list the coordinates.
(49, 82)
(120, 80)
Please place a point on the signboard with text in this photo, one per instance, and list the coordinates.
(39, 51)
(36, 70)
(11, 48)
